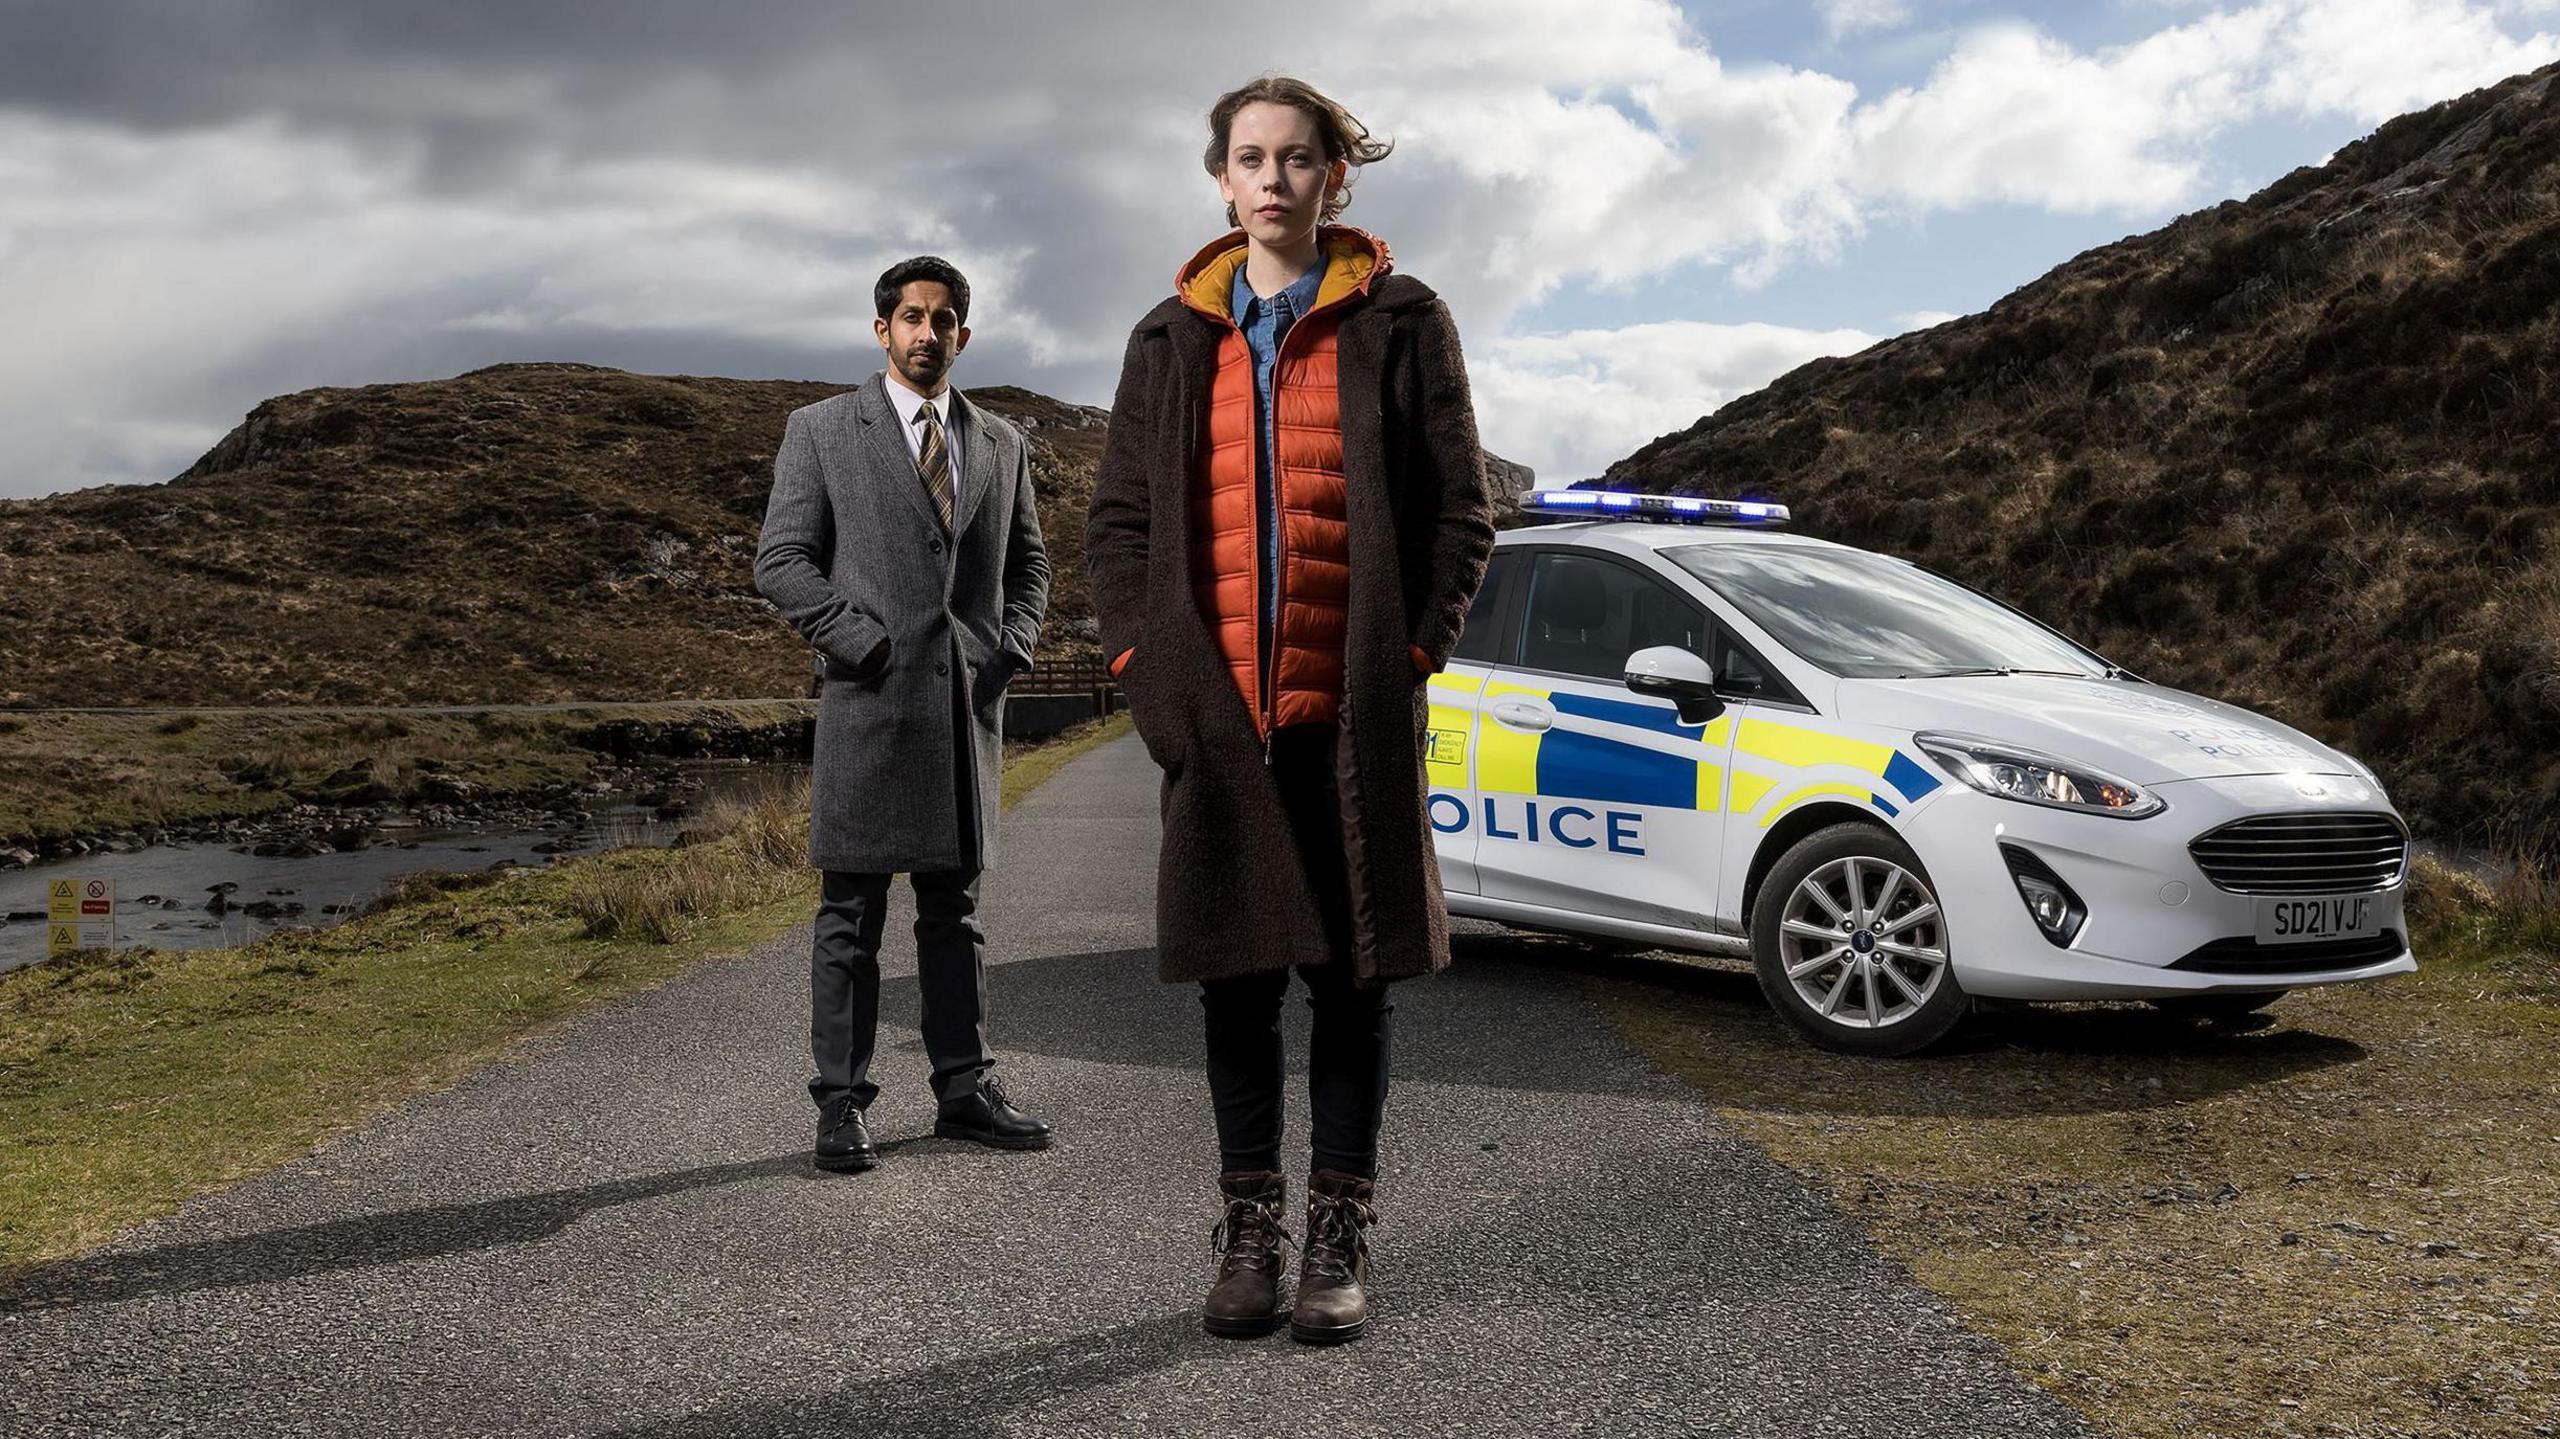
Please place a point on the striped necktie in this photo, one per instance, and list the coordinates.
(933, 461)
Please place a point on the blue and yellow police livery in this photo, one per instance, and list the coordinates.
(1671, 724)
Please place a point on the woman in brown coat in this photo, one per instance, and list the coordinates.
(1289, 521)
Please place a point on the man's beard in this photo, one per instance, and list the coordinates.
(924, 378)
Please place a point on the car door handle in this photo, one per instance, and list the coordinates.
(1523, 714)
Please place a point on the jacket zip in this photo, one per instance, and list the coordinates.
(1279, 537)
(1267, 647)
(1279, 558)
(1264, 644)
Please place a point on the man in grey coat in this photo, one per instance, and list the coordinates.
(901, 539)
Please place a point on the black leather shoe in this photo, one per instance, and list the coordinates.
(844, 1144)
(985, 1118)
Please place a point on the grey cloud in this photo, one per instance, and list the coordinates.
(187, 417)
(507, 121)
(209, 61)
(268, 194)
(370, 66)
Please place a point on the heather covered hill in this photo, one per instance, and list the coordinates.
(519, 534)
(2299, 451)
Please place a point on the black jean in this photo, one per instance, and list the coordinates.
(1348, 1050)
(1347, 1060)
(844, 982)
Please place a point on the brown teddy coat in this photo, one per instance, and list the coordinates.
(1229, 897)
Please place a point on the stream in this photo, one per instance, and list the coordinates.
(163, 891)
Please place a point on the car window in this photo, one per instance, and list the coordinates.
(1585, 615)
(1741, 674)
(1737, 670)
(1481, 640)
(1862, 614)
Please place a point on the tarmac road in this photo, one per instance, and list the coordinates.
(618, 1231)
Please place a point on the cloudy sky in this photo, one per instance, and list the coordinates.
(1638, 209)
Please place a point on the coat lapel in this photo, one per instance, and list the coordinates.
(1195, 361)
(977, 462)
(1360, 365)
(883, 451)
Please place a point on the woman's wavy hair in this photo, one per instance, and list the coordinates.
(1345, 138)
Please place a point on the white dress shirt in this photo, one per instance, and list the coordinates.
(909, 404)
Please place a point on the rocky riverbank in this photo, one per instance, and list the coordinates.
(311, 783)
(304, 830)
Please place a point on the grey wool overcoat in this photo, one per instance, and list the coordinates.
(852, 551)
(1230, 898)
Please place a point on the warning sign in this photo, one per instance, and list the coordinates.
(79, 914)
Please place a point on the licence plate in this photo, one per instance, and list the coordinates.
(2310, 919)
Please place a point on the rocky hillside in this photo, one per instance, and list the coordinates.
(520, 534)
(2299, 451)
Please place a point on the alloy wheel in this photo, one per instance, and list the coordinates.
(1863, 942)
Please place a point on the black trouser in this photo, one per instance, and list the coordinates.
(1346, 1067)
(844, 982)
(1348, 1050)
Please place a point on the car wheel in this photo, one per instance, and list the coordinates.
(1851, 945)
(2218, 1008)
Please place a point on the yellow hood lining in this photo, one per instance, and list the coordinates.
(1352, 258)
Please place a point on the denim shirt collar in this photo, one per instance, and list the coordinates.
(1289, 304)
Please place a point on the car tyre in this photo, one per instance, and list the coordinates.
(1887, 986)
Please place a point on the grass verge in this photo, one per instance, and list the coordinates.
(131, 1080)
(2344, 1221)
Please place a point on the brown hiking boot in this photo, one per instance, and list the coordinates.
(1333, 1268)
(1245, 1301)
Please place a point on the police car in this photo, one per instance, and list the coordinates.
(1670, 724)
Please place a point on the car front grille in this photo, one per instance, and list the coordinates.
(2247, 956)
(2303, 854)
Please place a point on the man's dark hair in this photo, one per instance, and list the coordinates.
(895, 279)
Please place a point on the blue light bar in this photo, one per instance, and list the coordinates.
(1680, 509)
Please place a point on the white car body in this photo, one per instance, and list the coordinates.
(1568, 802)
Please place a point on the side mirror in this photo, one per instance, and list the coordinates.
(1672, 673)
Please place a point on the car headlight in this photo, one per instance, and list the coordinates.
(1998, 768)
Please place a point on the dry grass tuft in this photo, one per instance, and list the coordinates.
(747, 850)
(768, 824)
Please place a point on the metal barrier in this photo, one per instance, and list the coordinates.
(1073, 677)
(1054, 682)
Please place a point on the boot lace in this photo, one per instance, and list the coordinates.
(1249, 1236)
(1337, 1237)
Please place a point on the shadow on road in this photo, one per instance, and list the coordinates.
(961, 1398)
(1073, 1006)
(1085, 1007)
(2039, 1060)
(1709, 1022)
(363, 1243)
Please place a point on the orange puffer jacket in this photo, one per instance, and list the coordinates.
(1295, 676)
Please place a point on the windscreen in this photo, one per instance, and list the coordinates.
(1869, 616)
